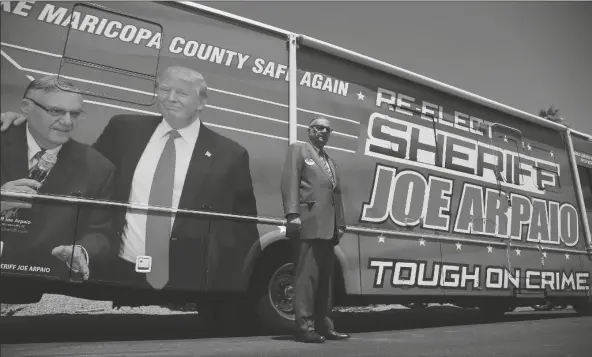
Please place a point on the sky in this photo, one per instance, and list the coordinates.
(527, 55)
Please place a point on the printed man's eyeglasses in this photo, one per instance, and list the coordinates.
(59, 112)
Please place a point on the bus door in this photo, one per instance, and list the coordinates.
(583, 154)
(481, 205)
(550, 224)
(514, 181)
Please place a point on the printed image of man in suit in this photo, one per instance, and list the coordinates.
(313, 207)
(174, 160)
(59, 235)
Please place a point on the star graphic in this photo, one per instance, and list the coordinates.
(544, 254)
(505, 139)
(282, 229)
(566, 256)
(529, 147)
(458, 246)
(489, 249)
(360, 95)
(422, 242)
(552, 154)
(381, 239)
(518, 251)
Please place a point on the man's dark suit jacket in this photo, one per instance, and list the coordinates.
(203, 253)
(79, 169)
(307, 190)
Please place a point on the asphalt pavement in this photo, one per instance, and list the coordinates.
(436, 331)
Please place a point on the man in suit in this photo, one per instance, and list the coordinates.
(313, 207)
(174, 160)
(60, 234)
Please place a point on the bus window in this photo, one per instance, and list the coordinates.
(107, 66)
(586, 182)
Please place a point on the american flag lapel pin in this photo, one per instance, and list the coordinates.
(208, 154)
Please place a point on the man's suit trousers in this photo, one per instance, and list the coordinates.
(313, 271)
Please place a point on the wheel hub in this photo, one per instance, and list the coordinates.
(281, 291)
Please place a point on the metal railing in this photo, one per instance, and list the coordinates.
(282, 222)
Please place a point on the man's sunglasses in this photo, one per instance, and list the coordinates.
(59, 112)
(321, 128)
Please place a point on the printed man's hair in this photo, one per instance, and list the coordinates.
(50, 84)
(186, 74)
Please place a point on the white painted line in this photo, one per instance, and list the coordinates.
(247, 131)
(14, 63)
(328, 115)
(30, 50)
(209, 124)
(247, 114)
(121, 107)
(151, 94)
(249, 97)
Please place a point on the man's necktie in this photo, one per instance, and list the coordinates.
(24, 214)
(158, 224)
(326, 163)
(35, 160)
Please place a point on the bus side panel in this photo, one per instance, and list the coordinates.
(475, 195)
(336, 90)
(247, 106)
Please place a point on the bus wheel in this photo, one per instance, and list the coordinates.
(274, 294)
(583, 308)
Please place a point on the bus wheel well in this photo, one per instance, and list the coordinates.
(270, 290)
(282, 250)
(277, 250)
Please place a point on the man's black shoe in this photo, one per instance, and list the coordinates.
(310, 337)
(334, 336)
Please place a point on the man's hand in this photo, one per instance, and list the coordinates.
(79, 263)
(20, 185)
(9, 118)
(293, 223)
(340, 233)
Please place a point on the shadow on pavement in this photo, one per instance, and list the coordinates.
(129, 327)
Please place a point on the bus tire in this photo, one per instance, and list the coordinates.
(273, 294)
(583, 308)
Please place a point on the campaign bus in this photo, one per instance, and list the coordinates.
(449, 197)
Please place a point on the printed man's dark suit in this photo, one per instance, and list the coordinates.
(80, 170)
(203, 254)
